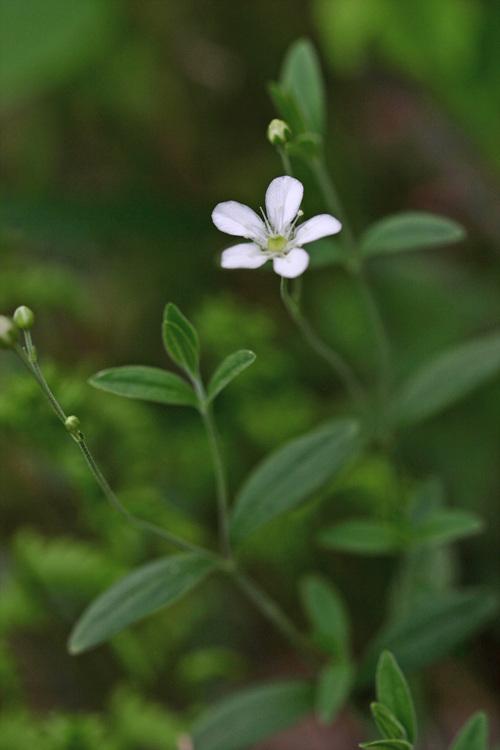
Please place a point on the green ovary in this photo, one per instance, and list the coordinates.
(276, 244)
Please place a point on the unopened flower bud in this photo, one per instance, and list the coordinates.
(72, 425)
(278, 132)
(24, 318)
(9, 333)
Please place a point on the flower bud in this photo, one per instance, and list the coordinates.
(8, 333)
(278, 132)
(72, 425)
(24, 318)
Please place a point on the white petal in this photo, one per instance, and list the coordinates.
(315, 228)
(283, 199)
(293, 264)
(235, 218)
(246, 255)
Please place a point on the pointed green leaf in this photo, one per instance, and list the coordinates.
(387, 745)
(301, 76)
(146, 383)
(333, 689)
(362, 537)
(389, 727)
(292, 474)
(145, 590)
(181, 340)
(412, 230)
(446, 526)
(327, 614)
(433, 629)
(287, 107)
(474, 735)
(447, 378)
(248, 717)
(394, 693)
(229, 369)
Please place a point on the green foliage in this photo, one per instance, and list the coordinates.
(474, 735)
(145, 383)
(301, 79)
(433, 630)
(292, 474)
(333, 689)
(414, 230)
(230, 368)
(155, 585)
(362, 537)
(446, 379)
(393, 693)
(58, 41)
(328, 616)
(181, 340)
(252, 715)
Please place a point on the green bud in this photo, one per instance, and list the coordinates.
(72, 425)
(24, 318)
(278, 132)
(9, 333)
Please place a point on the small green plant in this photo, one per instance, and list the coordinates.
(425, 616)
(395, 717)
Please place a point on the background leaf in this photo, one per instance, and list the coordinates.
(146, 383)
(181, 340)
(474, 735)
(387, 745)
(301, 76)
(292, 474)
(446, 526)
(240, 721)
(362, 537)
(394, 693)
(447, 378)
(432, 630)
(412, 230)
(332, 690)
(143, 591)
(327, 614)
(229, 369)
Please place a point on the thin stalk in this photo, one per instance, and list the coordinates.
(285, 160)
(338, 364)
(273, 613)
(355, 266)
(220, 475)
(28, 358)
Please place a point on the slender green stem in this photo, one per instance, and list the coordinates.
(355, 265)
(285, 160)
(272, 612)
(221, 484)
(339, 365)
(28, 358)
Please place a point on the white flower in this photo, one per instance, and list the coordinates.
(274, 237)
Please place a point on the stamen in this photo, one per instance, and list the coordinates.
(266, 220)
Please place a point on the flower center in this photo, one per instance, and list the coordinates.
(276, 244)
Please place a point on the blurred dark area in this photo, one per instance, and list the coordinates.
(122, 125)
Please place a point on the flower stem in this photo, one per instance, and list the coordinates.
(285, 160)
(356, 267)
(272, 612)
(28, 358)
(339, 365)
(221, 484)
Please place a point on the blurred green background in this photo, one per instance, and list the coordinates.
(122, 124)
